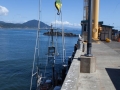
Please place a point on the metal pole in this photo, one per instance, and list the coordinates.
(89, 37)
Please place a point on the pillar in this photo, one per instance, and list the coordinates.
(95, 19)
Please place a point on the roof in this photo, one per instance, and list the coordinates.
(107, 26)
(86, 21)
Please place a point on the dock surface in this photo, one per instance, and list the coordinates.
(107, 75)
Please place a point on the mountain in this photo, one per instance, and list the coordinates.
(28, 24)
(2, 22)
(34, 24)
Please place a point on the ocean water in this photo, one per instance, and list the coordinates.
(17, 53)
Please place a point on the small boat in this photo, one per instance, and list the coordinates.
(42, 81)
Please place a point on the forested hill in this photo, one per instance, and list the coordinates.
(28, 24)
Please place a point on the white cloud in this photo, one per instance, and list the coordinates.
(3, 10)
(76, 24)
(65, 23)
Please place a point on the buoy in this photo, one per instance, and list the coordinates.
(118, 39)
(69, 62)
(107, 40)
(72, 57)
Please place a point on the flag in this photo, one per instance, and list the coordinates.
(58, 6)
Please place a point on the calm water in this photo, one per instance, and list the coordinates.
(16, 56)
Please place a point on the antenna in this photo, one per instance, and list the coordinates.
(39, 15)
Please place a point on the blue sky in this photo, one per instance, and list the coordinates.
(72, 11)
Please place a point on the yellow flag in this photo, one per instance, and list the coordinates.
(58, 6)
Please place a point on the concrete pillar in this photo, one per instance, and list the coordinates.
(95, 19)
(87, 64)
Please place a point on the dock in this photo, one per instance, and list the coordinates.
(107, 74)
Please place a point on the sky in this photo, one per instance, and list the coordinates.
(19, 11)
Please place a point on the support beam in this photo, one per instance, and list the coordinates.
(95, 19)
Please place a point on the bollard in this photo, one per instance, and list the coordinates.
(73, 54)
(83, 49)
(75, 48)
(69, 62)
(78, 43)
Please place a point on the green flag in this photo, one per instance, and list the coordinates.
(58, 5)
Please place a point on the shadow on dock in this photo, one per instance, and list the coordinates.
(114, 75)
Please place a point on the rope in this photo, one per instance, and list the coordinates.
(45, 67)
(114, 11)
(49, 37)
(47, 53)
(63, 38)
(56, 51)
(61, 57)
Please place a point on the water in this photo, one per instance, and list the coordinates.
(16, 56)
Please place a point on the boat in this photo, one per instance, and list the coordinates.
(42, 81)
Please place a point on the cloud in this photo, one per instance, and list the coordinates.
(3, 11)
(66, 23)
(76, 24)
(59, 22)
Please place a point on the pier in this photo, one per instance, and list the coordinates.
(107, 74)
(98, 67)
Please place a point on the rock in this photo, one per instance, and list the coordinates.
(60, 34)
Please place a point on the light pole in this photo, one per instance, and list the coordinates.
(89, 37)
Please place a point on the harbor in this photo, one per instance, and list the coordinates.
(59, 55)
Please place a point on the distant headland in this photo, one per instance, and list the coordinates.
(28, 24)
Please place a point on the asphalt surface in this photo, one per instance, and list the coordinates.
(114, 45)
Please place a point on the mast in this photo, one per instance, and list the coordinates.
(36, 71)
(38, 76)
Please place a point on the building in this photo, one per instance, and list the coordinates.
(106, 32)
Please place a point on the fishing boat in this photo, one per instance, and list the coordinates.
(39, 79)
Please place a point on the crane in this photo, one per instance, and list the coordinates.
(85, 10)
(94, 17)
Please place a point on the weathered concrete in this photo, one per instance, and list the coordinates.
(71, 80)
(107, 72)
(106, 77)
(114, 45)
(87, 64)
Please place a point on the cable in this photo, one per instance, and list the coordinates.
(63, 38)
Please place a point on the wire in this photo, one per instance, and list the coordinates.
(115, 8)
(63, 38)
